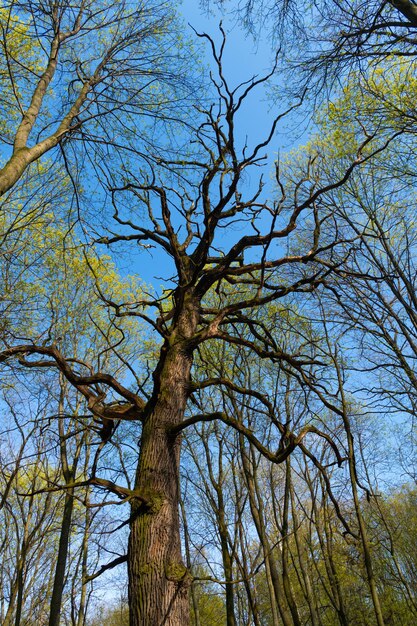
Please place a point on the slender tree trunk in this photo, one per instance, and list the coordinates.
(250, 585)
(367, 557)
(82, 603)
(19, 600)
(2, 595)
(66, 523)
(328, 556)
(308, 588)
(333, 590)
(397, 571)
(21, 564)
(286, 548)
(366, 549)
(228, 569)
(11, 604)
(158, 579)
(194, 598)
(218, 506)
(61, 564)
(226, 544)
(276, 592)
(223, 530)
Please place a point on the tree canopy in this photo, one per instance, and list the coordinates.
(231, 442)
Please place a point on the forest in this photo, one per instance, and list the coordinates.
(208, 329)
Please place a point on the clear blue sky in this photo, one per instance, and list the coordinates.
(243, 59)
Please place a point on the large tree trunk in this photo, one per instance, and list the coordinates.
(158, 579)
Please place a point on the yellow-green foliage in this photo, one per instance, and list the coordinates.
(371, 108)
(381, 102)
(58, 291)
(17, 47)
(19, 66)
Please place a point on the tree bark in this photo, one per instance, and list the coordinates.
(61, 565)
(286, 548)
(276, 592)
(158, 579)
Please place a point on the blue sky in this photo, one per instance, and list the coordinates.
(243, 59)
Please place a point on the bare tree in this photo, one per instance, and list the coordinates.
(217, 289)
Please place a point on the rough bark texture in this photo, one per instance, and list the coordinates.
(158, 579)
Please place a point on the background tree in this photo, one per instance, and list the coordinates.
(89, 73)
(257, 332)
(186, 222)
(326, 39)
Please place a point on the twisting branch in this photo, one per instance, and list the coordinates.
(84, 384)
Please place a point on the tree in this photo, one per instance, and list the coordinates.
(335, 36)
(49, 295)
(74, 71)
(184, 214)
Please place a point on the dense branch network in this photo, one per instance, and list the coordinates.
(220, 288)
